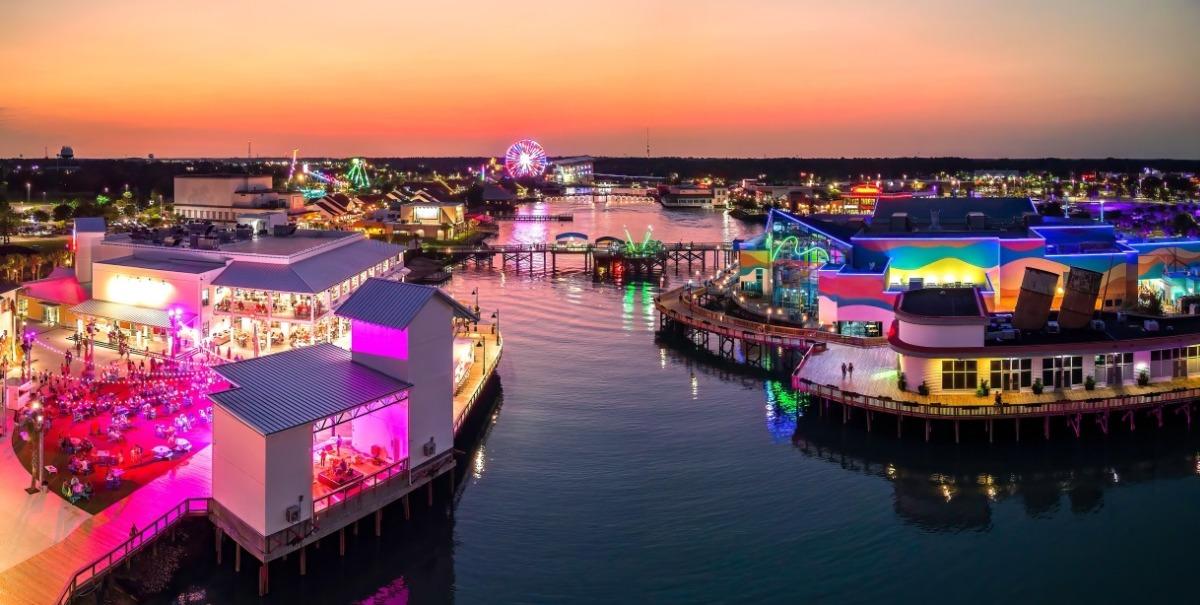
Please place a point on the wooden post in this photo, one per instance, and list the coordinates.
(263, 580)
(927, 429)
(407, 511)
(303, 560)
(450, 483)
(899, 426)
(991, 433)
(379, 520)
(429, 493)
(1046, 426)
(220, 535)
(342, 542)
(1017, 423)
(868, 421)
(237, 557)
(356, 527)
(956, 431)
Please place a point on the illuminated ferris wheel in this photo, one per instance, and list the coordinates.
(525, 159)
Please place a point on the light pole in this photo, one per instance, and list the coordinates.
(28, 189)
(36, 423)
(475, 293)
(496, 326)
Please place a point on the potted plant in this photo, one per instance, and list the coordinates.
(1089, 383)
(983, 390)
(902, 382)
(923, 389)
(1037, 386)
(1143, 378)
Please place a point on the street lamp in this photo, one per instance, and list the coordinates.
(475, 293)
(496, 326)
(35, 423)
(28, 189)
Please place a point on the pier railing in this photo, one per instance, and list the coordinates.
(1061, 407)
(569, 248)
(721, 323)
(191, 507)
(332, 503)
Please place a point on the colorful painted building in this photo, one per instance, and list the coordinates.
(986, 243)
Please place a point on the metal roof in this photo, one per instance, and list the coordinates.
(284, 390)
(90, 224)
(177, 265)
(311, 275)
(121, 312)
(395, 304)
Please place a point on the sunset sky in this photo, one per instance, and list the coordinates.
(1017, 78)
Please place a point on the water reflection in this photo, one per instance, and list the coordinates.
(944, 487)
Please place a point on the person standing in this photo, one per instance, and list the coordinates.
(851, 369)
(843, 370)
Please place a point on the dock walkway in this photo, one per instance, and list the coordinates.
(40, 579)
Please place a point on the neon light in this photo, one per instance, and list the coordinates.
(795, 243)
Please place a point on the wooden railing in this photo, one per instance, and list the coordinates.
(1056, 408)
(191, 507)
(333, 502)
(754, 331)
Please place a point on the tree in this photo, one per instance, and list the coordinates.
(63, 212)
(1183, 223)
(7, 222)
(41, 216)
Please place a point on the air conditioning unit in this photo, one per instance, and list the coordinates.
(293, 513)
(429, 448)
(916, 283)
(1098, 325)
(1052, 327)
(1150, 325)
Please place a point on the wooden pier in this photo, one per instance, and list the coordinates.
(692, 255)
(84, 559)
(534, 218)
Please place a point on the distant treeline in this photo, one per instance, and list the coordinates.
(146, 179)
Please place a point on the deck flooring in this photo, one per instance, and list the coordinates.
(40, 579)
(466, 394)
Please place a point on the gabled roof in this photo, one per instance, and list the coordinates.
(285, 390)
(177, 265)
(311, 275)
(395, 304)
(90, 224)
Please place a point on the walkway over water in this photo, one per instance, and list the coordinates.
(82, 549)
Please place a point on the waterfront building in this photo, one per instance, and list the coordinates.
(296, 429)
(243, 290)
(686, 197)
(847, 272)
(224, 198)
(572, 171)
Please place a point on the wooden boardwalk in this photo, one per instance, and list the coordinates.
(488, 355)
(40, 579)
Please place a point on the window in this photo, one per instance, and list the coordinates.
(1063, 371)
(1169, 363)
(1114, 368)
(959, 374)
(1011, 374)
(204, 297)
(1193, 359)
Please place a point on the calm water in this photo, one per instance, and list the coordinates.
(619, 470)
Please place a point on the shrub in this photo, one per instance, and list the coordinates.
(1089, 383)
(902, 382)
(923, 389)
(1143, 378)
(983, 390)
(1037, 386)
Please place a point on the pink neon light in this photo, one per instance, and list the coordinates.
(374, 339)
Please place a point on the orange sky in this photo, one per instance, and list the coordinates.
(461, 77)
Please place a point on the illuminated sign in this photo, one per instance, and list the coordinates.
(425, 213)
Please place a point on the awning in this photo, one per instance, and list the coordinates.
(136, 315)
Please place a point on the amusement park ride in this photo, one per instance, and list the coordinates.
(355, 177)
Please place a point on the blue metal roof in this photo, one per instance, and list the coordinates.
(178, 265)
(395, 304)
(311, 275)
(285, 390)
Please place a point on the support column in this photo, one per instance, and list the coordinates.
(303, 560)
(868, 421)
(991, 433)
(899, 426)
(220, 534)
(407, 510)
(263, 580)
(1046, 426)
(379, 519)
(927, 430)
(342, 542)
(429, 493)
(956, 431)
(1017, 424)
(237, 557)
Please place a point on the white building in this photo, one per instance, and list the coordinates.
(225, 197)
(306, 441)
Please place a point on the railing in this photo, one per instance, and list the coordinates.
(770, 333)
(334, 501)
(576, 248)
(191, 507)
(803, 360)
(1060, 407)
(475, 392)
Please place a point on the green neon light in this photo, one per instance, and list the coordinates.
(777, 248)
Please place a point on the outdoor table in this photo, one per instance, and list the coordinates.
(182, 445)
(76, 442)
(51, 469)
(103, 457)
(162, 452)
